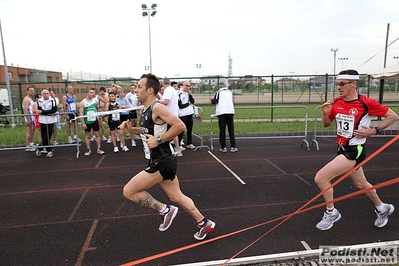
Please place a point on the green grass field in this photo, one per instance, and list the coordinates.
(254, 120)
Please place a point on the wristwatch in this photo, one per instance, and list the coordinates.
(377, 130)
(159, 140)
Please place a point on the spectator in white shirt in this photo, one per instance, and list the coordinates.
(186, 111)
(225, 113)
(170, 100)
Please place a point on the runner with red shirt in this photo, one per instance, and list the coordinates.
(352, 113)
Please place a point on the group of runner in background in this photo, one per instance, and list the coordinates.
(87, 112)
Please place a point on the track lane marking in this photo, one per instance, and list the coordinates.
(305, 245)
(86, 246)
(99, 162)
(227, 168)
(78, 204)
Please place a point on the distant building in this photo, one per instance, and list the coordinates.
(25, 75)
(20, 78)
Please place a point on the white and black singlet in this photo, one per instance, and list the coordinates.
(161, 157)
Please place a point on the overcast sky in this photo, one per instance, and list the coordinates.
(263, 37)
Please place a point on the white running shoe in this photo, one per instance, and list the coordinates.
(382, 217)
(328, 220)
(124, 148)
(30, 148)
(190, 146)
(204, 230)
(167, 219)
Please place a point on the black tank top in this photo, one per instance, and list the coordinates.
(115, 116)
(164, 151)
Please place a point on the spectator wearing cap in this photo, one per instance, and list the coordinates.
(225, 114)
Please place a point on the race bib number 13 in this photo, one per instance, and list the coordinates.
(345, 124)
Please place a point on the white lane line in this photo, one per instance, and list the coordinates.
(86, 247)
(307, 247)
(228, 169)
(78, 205)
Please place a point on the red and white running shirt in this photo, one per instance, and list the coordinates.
(351, 115)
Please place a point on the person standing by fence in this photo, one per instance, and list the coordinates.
(88, 107)
(169, 98)
(186, 111)
(27, 105)
(352, 113)
(133, 102)
(225, 114)
(58, 122)
(46, 107)
(114, 121)
(70, 106)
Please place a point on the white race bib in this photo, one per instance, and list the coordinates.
(91, 116)
(72, 107)
(147, 153)
(345, 125)
(116, 117)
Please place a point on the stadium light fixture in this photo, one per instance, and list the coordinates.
(335, 63)
(147, 12)
(343, 59)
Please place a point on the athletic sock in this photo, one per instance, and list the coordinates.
(164, 210)
(330, 210)
(381, 208)
(202, 222)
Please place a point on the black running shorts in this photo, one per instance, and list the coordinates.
(353, 152)
(166, 169)
(113, 125)
(95, 126)
(132, 114)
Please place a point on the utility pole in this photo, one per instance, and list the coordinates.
(382, 81)
(7, 79)
(335, 63)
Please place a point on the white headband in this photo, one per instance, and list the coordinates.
(349, 77)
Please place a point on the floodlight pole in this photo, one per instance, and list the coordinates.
(151, 11)
(199, 68)
(396, 80)
(7, 79)
(335, 63)
(343, 59)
